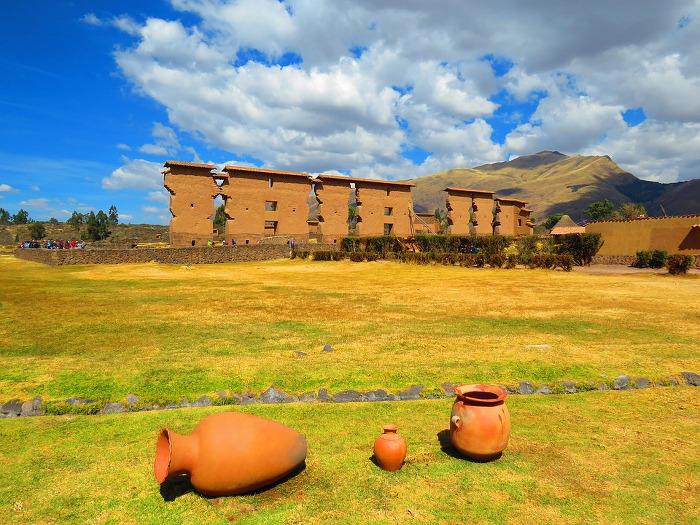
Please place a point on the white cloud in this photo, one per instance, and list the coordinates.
(153, 149)
(35, 203)
(137, 174)
(161, 196)
(124, 147)
(91, 19)
(152, 209)
(6, 188)
(166, 141)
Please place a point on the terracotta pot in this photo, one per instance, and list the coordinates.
(480, 424)
(390, 449)
(230, 453)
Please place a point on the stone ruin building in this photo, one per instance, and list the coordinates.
(274, 204)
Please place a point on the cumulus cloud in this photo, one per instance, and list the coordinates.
(6, 187)
(35, 203)
(391, 76)
(138, 174)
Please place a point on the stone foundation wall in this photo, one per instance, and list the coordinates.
(196, 255)
(627, 260)
(317, 247)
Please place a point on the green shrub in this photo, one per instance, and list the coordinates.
(323, 255)
(449, 258)
(642, 259)
(371, 256)
(300, 254)
(479, 260)
(582, 246)
(658, 259)
(384, 245)
(565, 261)
(511, 261)
(416, 258)
(339, 255)
(357, 256)
(496, 260)
(678, 264)
(350, 244)
(468, 260)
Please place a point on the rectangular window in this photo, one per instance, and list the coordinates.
(388, 211)
(269, 182)
(520, 222)
(270, 225)
(270, 205)
(388, 228)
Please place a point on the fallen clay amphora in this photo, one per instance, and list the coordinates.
(390, 449)
(230, 453)
(480, 424)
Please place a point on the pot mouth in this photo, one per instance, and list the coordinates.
(481, 394)
(161, 465)
(390, 428)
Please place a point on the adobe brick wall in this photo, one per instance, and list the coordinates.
(459, 206)
(673, 234)
(333, 197)
(372, 198)
(196, 255)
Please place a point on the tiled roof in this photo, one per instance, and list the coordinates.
(564, 230)
(265, 171)
(323, 177)
(510, 201)
(170, 163)
(649, 218)
(456, 189)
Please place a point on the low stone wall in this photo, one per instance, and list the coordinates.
(190, 255)
(317, 247)
(627, 260)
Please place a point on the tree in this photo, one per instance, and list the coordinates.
(550, 221)
(4, 216)
(76, 220)
(441, 217)
(37, 231)
(53, 220)
(600, 210)
(97, 226)
(113, 215)
(21, 217)
(631, 210)
(220, 217)
(352, 214)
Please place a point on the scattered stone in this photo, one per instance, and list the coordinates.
(203, 401)
(323, 395)
(377, 395)
(185, 403)
(170, 406)
(411, 393)
(327, 348)
(308, 397)
(347, 396)
(13, 407)
(300, 354)
(672, 381)
(223, 396)
(526, 388)
(621, 383)
(273, 395)
(510, 389)
(641, 382)
(132, 399)
(113, 408)
(569, 387)
(394, 397)
(448, 388)
(603, 386)
(691, 378)
(544, 389)
(32, 407)
(79, 401)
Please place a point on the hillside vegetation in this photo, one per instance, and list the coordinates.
(552, 182)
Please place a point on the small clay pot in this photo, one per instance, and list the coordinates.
(390, 449)
(230, 453)
(480, 423)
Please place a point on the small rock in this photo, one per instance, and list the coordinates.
(347, 396)
(377, 395)
(170, 406)
(691, 378)
(544, 389)
(79, 401)
(323, 395)
(203, 401)
(113, 408)
(273, 395)
(394, 397)
(308, 397)
(526, 388)
(223, 396)
(300, 354)
(510, 389)
(603, 386)
(448, 388)
(621, 383)
(411, 393)
(672, 381)
(185, 403)
(569, 387)
(327, 348)
(32, 407)
(13, 406)
(641, 382)
(132, 399)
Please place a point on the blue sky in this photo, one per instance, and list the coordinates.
(96, 96)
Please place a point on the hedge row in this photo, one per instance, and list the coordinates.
(650, 259)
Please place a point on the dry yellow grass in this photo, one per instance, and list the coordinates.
(166, 331)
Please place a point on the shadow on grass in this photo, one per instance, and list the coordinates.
(447, 447)
(173, 488)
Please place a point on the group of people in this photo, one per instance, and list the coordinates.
(50, 244)
(222, 243)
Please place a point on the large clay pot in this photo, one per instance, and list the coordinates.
(230, 453)
(390, 449)
(480, 424)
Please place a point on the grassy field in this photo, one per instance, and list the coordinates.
(604, 457)
(164, 332)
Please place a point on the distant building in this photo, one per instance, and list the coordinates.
(565, 226)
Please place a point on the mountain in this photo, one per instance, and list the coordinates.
(552, 182)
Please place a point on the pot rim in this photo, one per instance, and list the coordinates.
(161, 465)
(472, 393)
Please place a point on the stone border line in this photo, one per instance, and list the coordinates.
(273, 395)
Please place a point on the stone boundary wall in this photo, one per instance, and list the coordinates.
(194, 255)
(317, 247)
(626, 260)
